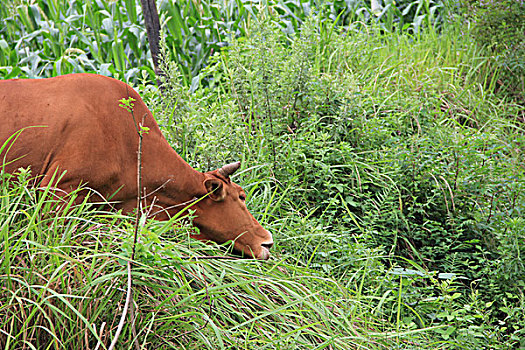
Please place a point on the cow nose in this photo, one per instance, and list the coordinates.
(267, 245)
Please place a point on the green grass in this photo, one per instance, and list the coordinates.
(388, 151)
(63, 279)
(385, 162)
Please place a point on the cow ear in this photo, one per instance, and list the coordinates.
(215, 189)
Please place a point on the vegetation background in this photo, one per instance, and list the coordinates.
(382, 145)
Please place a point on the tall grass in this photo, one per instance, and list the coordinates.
(63, 286)
(392, 157)
(384, 163)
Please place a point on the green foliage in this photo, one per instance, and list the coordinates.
(499, 26)
(42, 38)
(198, 30)
(49, 38)
(389, 147)
(412, 16)
(63, 269)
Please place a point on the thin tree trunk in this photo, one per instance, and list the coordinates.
(151, 18)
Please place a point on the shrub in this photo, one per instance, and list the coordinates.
(387, 150)
(499, 26)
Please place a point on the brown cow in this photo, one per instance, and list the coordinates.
(95, 141)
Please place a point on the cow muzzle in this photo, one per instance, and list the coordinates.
(265, 250)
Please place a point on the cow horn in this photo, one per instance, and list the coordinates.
(229, 169)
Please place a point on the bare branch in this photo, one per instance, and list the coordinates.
(124, 312)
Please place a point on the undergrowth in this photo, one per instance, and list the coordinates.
(391, 145)
(384, 160)
(498, 26)
(63, 275)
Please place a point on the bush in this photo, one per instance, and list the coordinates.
(377, 148)
(499, 26)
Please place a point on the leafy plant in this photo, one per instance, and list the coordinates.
(386, 148)
(62, 273)
(499, 26)
(42, 39)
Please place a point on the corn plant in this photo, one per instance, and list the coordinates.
(48, 38)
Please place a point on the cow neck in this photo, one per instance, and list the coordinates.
(186, 182)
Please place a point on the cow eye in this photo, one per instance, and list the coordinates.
(242, 197)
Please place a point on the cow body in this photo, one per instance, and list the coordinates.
(74, 124)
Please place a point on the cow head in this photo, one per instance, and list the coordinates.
(222, 215)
